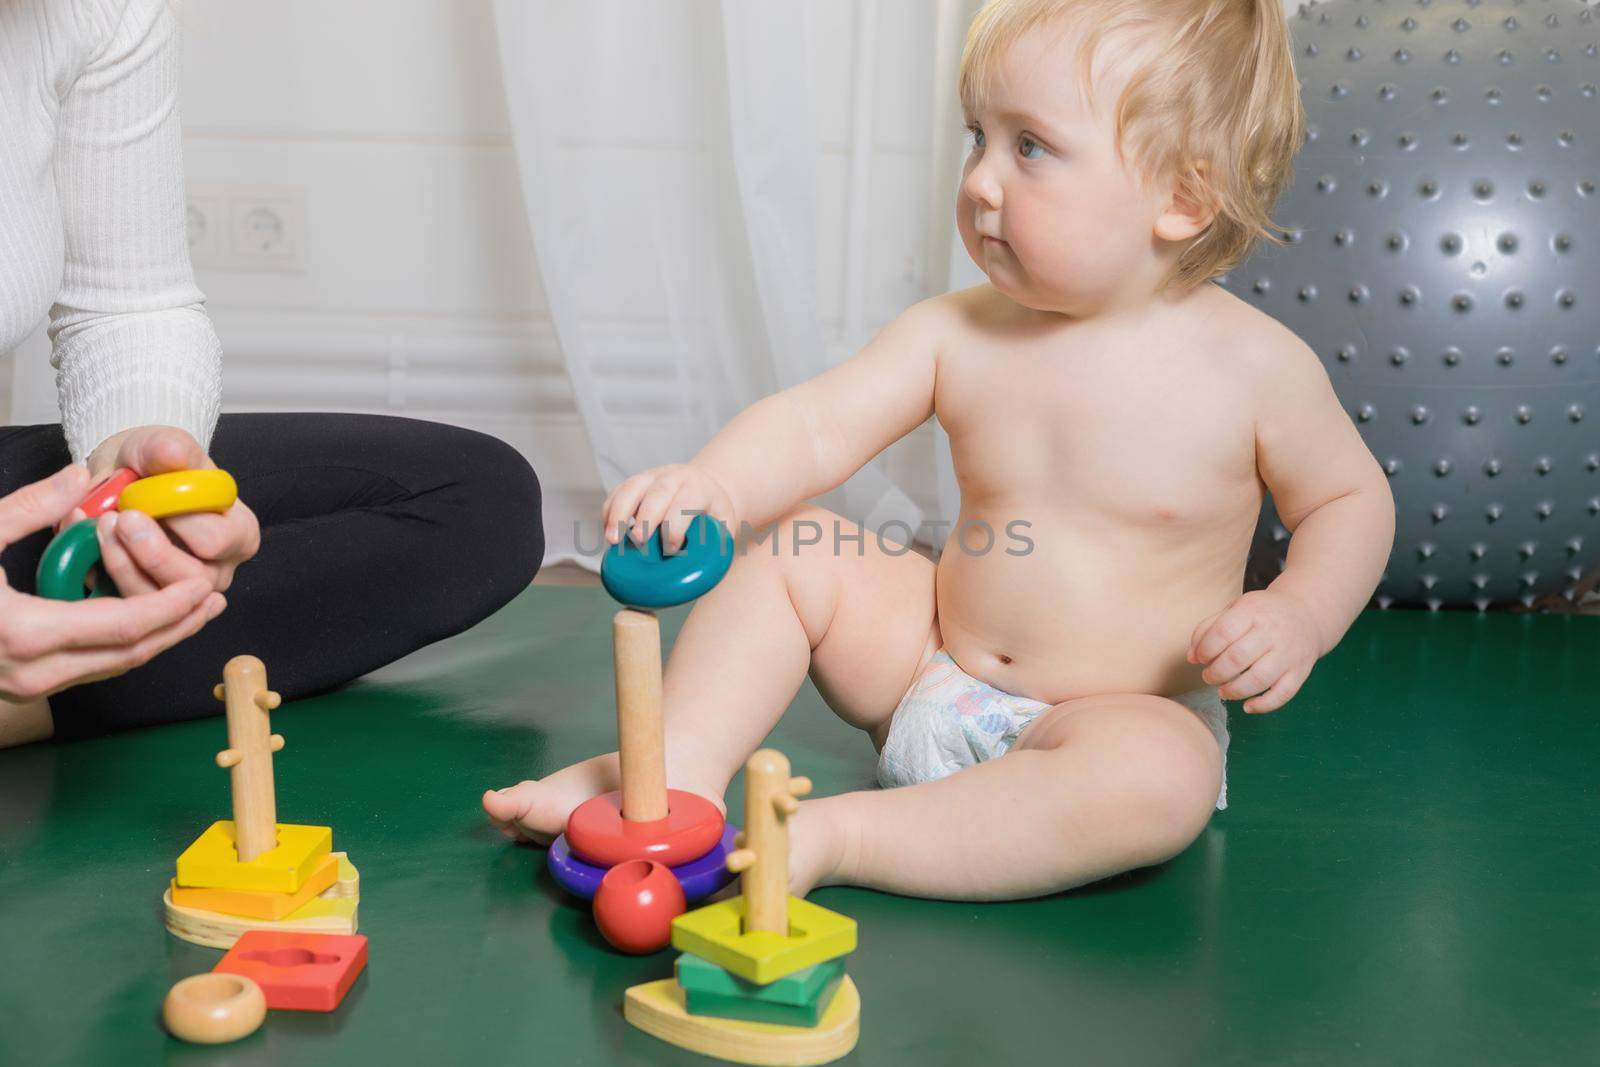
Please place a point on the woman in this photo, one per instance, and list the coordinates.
(375, 535)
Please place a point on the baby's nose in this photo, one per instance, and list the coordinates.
(981, 187)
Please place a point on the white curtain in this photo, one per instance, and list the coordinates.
(669, 176)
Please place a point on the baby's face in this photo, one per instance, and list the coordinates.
(1046, 208)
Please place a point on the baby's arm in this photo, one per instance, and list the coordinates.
(1332, 496)
(801, 442)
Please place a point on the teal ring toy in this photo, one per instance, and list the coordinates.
(646, 578)
(67, 562)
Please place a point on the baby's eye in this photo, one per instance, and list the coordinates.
(1027, 145)
(977, 136)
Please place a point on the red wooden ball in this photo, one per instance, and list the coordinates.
(635, 905)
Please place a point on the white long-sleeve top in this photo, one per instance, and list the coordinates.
(92, 214)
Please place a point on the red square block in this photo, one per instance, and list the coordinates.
(302, 972)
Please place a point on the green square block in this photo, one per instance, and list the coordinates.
(716, 933)
(797, 990)
(697, 1002)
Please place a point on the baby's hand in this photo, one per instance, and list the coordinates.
(1262, 646)
(670, 495)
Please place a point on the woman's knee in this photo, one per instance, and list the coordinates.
(503, 496)
(477, 499)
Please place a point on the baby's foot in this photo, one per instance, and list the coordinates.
(816, 852)
(537, 810)
(817, 846)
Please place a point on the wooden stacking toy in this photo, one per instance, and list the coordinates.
(75, 551)
(253, 872)
(682, 833)
(762, 976)
(213, 1009)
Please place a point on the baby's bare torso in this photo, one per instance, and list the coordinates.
(1132, 461)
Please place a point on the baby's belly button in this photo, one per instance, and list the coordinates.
(992, 662)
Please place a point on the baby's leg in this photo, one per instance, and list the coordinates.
(1093, 787)
(859, 618)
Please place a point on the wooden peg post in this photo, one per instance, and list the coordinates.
(248, 756)
(763, 857)
(641, 749)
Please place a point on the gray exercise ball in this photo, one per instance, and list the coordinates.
(1444, 261)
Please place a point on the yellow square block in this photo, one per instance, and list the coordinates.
(254, 904)
(212, 862)
(716, 933)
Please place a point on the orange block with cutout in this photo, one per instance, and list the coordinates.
(255, 903)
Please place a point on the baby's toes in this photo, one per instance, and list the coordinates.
(519, 811)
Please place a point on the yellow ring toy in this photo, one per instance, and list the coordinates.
(180, 493)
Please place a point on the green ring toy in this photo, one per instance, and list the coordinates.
(67, 562)
(648, 578)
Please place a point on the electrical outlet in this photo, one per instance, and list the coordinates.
(262, 230)
(204, 220)
(248, 228)
(266, 232)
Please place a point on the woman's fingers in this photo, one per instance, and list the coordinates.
(76, 666)
(116, 563)
(221, 541)
(147, 543)
(39, 627)
(161, 450)
(73, 516)
(41, 505)
(207, 535)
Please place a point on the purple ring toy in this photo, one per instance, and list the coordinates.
(699, 878)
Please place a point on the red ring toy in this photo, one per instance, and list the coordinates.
(598, 834)
(104, 496)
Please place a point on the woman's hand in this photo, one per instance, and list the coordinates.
(48, 645)
(665, 497)
(136, 551)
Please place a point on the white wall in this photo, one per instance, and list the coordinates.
(418, 293)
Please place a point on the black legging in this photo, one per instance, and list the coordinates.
(378, 535)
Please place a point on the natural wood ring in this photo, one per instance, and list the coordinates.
(210, 1009)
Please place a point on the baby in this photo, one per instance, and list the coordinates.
(1049, 710)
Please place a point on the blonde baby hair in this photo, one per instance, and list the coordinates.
(1214, 106)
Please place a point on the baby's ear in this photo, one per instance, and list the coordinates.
(1186, 213)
